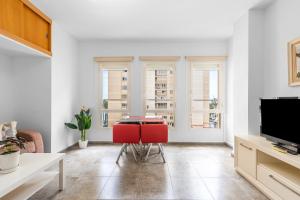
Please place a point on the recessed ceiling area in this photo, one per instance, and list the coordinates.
(147, 19)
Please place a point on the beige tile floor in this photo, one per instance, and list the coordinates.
(192, 172)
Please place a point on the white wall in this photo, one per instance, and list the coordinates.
(32, 95)
(229, 95)
(42, 93)
(281, 26)
(270, 28)
(182, 133)
(6, 97)
(237, 81)
(65, 90)
(256, 68)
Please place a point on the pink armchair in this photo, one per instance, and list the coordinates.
(34, 142)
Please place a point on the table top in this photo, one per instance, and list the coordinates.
(30, 165)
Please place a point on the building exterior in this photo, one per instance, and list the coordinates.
(117, 96)
(160, 94)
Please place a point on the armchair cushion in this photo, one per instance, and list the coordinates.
(34, 140)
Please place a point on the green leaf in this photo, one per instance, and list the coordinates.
(88, 123)
(82, 113)
(78, 117)
(71, 125)
(81, 124)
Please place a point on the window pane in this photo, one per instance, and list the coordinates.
(114, 104)
(206, 120)
(205, 102)
(159, 104)
(168, 116)
(205, 84)
(114, 90)
(160, 91)
(109, 118)
(205, 105)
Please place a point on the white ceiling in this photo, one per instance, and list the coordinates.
(146, 19)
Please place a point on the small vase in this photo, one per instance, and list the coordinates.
(13, 125)
(83, 144)
(1, 134)
(9, 162)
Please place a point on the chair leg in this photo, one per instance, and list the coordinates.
(125, 149)
(133, 152)
(162, 152)
(148, 152)
(136, 149)
(121, 151)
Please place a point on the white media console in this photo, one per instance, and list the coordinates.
(274, 173)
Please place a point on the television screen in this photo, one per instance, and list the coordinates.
(280, 120)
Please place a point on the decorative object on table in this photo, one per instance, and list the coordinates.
(8, 129)
(4, 130)
(13, 127)
(294, 62)
(10, 153)
(84, 122)
(1, 132)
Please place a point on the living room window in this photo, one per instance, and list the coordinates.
(206, 91)
(159, 88)
(114, 76)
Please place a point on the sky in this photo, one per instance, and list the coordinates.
(213, 84)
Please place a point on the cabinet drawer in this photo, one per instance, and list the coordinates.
(246, 159)
(275, 183)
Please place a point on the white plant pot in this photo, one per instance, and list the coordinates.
(9, 162)
(83, 144)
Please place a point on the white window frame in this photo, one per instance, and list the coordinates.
(151, 64)
(112, 65)
(220, 63)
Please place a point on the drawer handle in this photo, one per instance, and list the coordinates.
(278, 181)
(249, 148)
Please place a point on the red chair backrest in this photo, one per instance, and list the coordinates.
(126, 133)
(154, 133)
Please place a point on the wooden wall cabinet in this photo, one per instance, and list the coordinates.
(20, 20)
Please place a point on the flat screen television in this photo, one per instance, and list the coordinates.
(280, 120)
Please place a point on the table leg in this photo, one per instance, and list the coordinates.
(61, 175)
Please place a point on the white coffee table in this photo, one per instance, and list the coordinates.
(31, 176)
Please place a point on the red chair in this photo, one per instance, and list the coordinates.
(154, 133)
(128, 135)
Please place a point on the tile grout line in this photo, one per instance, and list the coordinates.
(170, 179)
(202, 180)
(109, 177)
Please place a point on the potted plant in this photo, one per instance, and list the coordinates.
(84, 122)
(10, 153)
